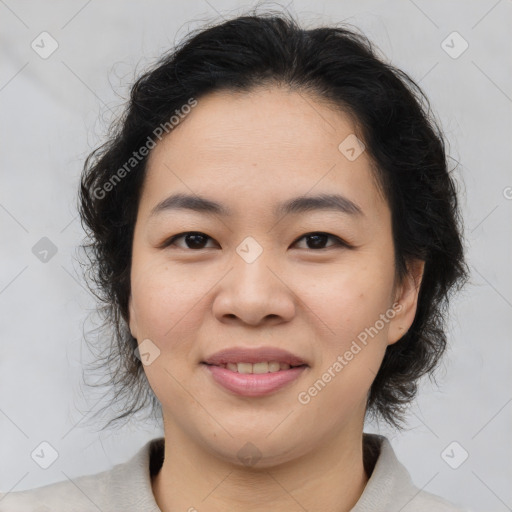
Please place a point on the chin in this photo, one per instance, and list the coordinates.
(254, 450)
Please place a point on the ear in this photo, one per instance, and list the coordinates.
(132, 318)
(406, 300)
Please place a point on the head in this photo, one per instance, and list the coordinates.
(270, 122)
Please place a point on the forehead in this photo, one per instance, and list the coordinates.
(260, 146)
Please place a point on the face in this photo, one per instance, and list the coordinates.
(310, 280)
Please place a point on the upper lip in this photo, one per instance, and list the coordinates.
(253, 355)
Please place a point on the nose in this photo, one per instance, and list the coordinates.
(254, 294)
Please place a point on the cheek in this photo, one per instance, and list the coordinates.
(165, 301)
(349, 298)
(167, 307)
(353, 345)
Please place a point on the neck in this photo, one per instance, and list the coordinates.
(330, 478)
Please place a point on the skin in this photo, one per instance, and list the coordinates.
(250, 151)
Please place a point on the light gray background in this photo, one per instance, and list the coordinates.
(55, 110)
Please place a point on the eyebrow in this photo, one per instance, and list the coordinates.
(297, 205)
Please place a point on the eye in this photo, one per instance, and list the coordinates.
(318, 240)
(196, 240)
(193, 240)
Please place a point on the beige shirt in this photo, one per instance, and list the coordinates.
(127, 487)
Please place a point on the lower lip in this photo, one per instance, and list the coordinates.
(253, 384)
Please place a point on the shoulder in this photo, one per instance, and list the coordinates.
(74, 495)
(390, 488)
(425, 501)
(126, 486)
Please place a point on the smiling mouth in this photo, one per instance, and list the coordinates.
(257, 368)
(254, 379)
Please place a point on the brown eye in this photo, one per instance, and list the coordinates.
(317, 241)
(193, 240)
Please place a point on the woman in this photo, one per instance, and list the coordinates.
(276, 236)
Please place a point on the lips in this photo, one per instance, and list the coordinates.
(253, 356)
(254, 372)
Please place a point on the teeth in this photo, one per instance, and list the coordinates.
(260, 368)
(274, 366)
(257, 368)
(244, 367)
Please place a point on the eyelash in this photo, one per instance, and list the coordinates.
(339, 242)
